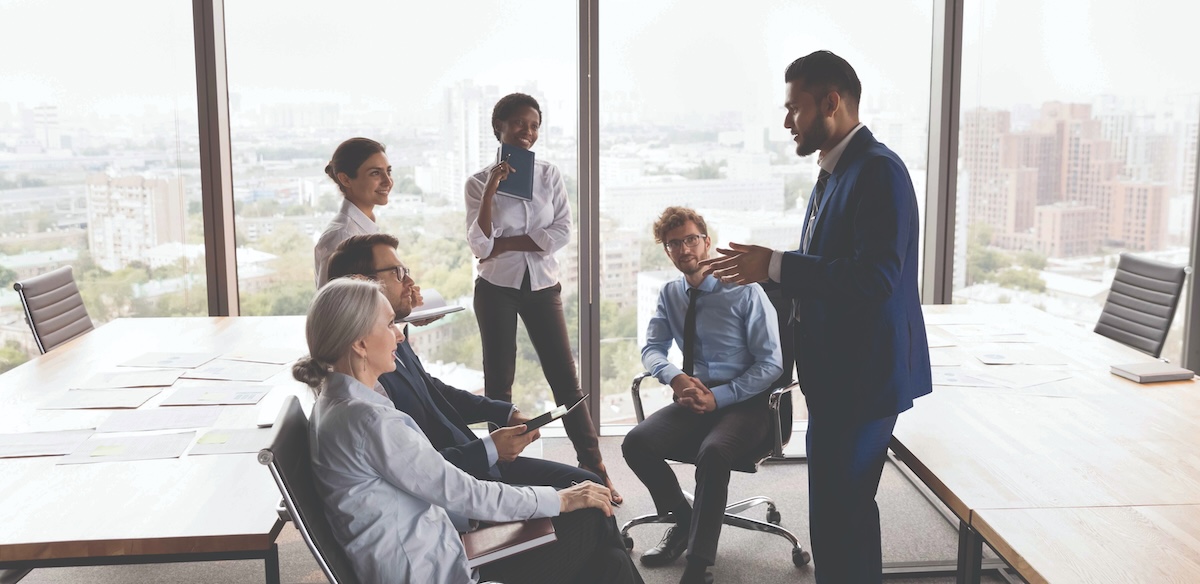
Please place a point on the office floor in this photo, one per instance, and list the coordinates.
(912, 530)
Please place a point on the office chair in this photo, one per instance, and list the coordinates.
(780, 405)
(1142, 303)
(288, 459)
(53, 308)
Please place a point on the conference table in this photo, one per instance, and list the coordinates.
(192, 508)
(1087, 477)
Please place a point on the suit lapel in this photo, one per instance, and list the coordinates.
(854, 150)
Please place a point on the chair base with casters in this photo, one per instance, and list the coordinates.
(779, 401)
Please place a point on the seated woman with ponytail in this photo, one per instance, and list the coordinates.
(393, 501)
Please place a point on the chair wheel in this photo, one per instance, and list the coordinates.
(628, 543)
(773, 517)
(800, 557)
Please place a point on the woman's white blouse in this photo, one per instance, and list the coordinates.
(386, 490)
(349, 221)
(546, 219)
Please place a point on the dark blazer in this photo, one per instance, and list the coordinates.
(861, 350)
(443, 412)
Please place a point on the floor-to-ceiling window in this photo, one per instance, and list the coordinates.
(1077, 142)
(691, 113)
(421, 78)
(98, 159)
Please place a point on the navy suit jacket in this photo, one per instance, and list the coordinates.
(861, 350)
(441, 410)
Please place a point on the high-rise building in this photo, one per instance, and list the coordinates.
(636, 206)
(128, 215)
(1138, 221)
(1067, 229)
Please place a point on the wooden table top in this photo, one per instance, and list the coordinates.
(1095, 439)
(1141, 544)
(213, 503)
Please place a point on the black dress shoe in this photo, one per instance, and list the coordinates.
(673, 544)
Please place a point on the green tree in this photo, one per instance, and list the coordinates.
(1021, 279)
(7, 277)
(11, 355)
(1032, 260)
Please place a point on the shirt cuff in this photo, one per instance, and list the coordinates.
(668, 373)
(776, 267)
(490, 447)
(723, 394)
(548, 503)
(509, 420)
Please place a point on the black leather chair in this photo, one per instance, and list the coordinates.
(288, 459)
(53, 308)
(1141, 303)
(780, 405)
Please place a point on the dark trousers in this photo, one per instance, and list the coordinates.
(588, 551)
(537, 472)
(713, 441)
(845, 462)
(496, 309)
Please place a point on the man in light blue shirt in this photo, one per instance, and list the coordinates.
(729, 337)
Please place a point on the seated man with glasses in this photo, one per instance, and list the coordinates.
(442, 411)
(729, 337)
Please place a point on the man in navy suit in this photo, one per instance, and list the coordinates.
(442, 411)
(861, 352)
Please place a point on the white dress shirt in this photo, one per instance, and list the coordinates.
(387, 491)
(349, 221)
(546, 219)
(828, 162)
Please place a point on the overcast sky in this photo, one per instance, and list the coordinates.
(676, 57)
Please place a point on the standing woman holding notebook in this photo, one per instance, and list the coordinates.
(515, 241)
(361, 170)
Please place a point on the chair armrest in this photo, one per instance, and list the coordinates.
(636, 390)
(776, 423)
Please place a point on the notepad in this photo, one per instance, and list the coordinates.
(551, 415)
(433, 305)
(502, 540)
(519, 183)
(1152, 372)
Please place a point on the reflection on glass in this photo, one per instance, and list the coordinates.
(701, 125)
(98, 159)
(422, 79)
(1072, 152)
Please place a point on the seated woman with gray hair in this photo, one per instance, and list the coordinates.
(395, 504)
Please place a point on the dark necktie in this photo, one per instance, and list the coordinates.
(817, 194)
(689, 333)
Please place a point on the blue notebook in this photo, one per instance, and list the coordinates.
(519, 184)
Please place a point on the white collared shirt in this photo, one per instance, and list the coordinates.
(546, 219)
(349, 221)
(387, 491)
(828, 162)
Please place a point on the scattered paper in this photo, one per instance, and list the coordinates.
(936, 340)
(178, 360)
(216, 395)
(101, 448)
(233, 441)
(89, 399)
(980, 332)
(959, 378)
(230, 370)
(943, 358)
(161, 419)
(41, 443)
(1018, 376)
(278, 356)
(1010, 354)
(133, 378)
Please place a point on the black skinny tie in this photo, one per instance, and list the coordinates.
(689, 333)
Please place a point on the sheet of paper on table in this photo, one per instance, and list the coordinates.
(230, 370)
(41, 443)
(178, 360)
(210, 395)
(161, 419)
(105, 448)
(91, 399)
(130, 378)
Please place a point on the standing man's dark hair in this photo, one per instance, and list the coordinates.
(822, 72)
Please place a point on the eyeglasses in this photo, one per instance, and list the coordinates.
(690, 241)
(401, 272)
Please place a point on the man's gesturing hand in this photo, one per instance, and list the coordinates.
(744, 264)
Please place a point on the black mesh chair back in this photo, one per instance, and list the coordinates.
(1141, 303)
(288, 459)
